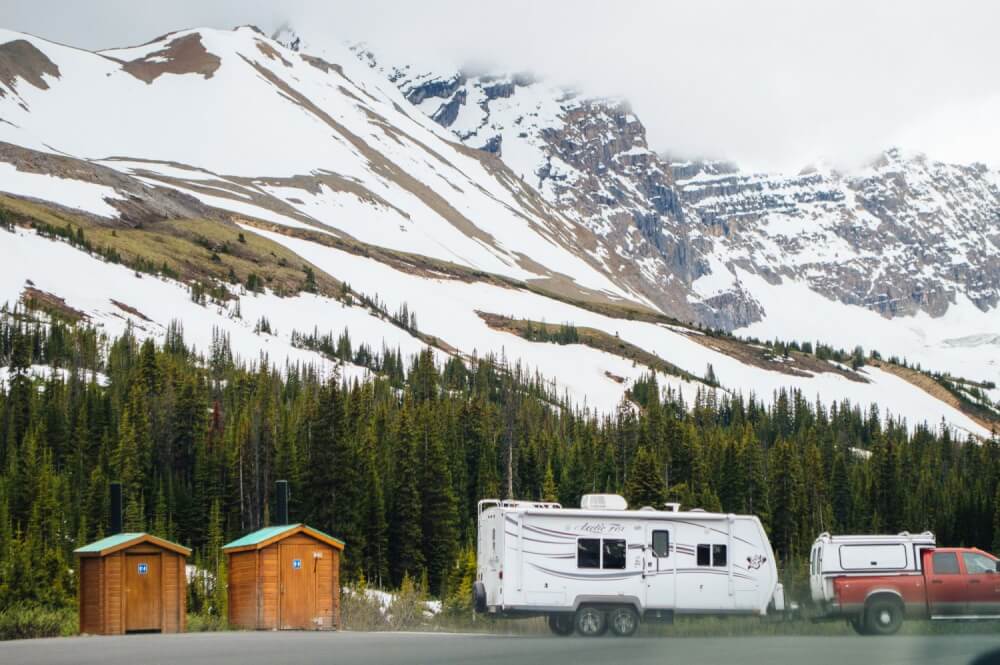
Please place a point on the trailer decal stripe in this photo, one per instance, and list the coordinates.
(612, 577)
(536, 540)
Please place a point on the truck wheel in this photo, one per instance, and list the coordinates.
(590, 622)
(858, 624)
(561, 624)
(883, 617)
(623, 621)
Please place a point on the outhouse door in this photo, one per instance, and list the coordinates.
(143, 601)
(298, 586)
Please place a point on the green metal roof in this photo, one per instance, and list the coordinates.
(120, 539)
(105, 543)
(268, 532)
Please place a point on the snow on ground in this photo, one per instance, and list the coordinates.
(963, 342)
(86, 196)
(88, 284)
(351, 125)
(447, 310)
(45, 371)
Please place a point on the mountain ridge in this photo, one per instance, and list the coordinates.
(357, 188)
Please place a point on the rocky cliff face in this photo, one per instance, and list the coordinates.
(904, 235)
(590, 158)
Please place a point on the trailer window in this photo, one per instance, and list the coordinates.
(945, 563)
(614, 554)
(712, 555)
(588, 553)
(661, 544)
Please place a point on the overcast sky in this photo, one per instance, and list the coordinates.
(770, 84)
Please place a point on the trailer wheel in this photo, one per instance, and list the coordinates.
(858, 624)
(624, 621)
(591, 622)
(883, 616)
(561, 624)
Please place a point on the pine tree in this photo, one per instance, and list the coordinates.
(840, 489)
(644, 486)
(786, 499)
(439, 512)
(549, 491)
(405, 525)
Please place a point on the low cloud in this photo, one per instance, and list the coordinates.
(770, 83)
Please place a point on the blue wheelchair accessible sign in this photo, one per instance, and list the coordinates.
(143, 568)
(296, 563)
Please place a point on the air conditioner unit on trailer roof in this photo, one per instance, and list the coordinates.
(603, 502)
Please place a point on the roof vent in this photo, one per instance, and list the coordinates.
(603, 502)
(673, 506)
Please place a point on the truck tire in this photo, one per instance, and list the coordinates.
(624, 621)
(858, 624)
(561, 624)
(591, 621)
(883, 616)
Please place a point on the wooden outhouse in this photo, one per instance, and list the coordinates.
(132, 582)
(284, 578)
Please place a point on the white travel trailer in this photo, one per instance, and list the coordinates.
(604, 566)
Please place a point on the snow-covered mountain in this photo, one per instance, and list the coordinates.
(207, 159)
(912, 241)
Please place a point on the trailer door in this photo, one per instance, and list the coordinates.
(661, 567)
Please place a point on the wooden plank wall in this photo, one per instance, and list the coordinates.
(171, 593)
(243, 589)
(335, 575)
(269, 597)
(91, 585)
(113, 620)
(324, 586)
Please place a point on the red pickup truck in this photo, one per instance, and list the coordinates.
(876, 582)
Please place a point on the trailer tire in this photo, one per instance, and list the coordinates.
(479, 597)
(624, 621)
(883, 616)
(591, 621)
(562, 624)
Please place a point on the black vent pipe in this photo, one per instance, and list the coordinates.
(116, 509)
(282, 501)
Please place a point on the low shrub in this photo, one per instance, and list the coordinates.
(201, 623)
(25, 621)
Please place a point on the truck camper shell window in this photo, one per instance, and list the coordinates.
(945, 563)
(872, 556)
(719, 556)
(661, 544)
(614, 554)
(588, 553)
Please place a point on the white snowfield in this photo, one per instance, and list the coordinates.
(447, 309)
(818, 224)
(89, 285)
(406, 184)
(85, 196)
(444, 308)
(270, 134)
